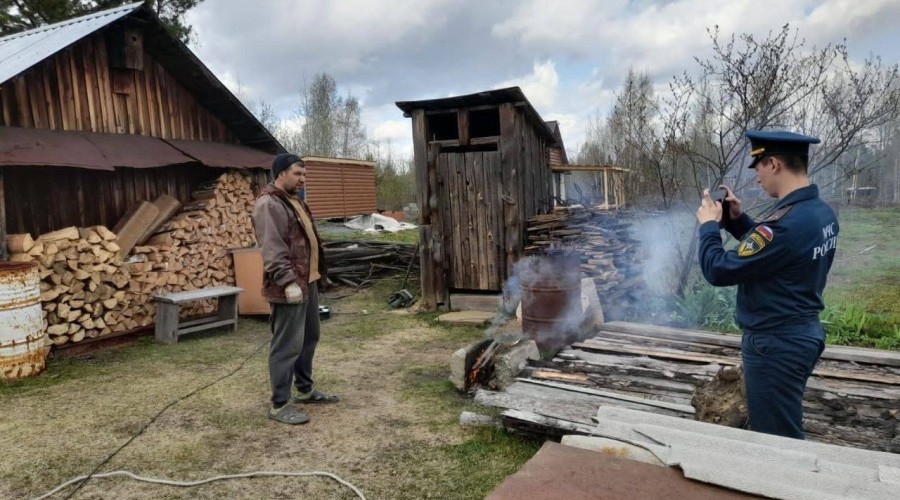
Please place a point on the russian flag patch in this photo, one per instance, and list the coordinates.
(765, 232)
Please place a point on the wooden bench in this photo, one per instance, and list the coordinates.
(167, 307)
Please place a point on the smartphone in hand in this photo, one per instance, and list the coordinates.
(719, 195)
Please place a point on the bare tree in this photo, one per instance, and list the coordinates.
(776, 82)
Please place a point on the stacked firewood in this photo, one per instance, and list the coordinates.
(84, 287)
(89, 290)
(191, 250)
(362, 263)
(609, 254)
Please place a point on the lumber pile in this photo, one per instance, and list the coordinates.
(852, 399)
(90, 287)
(362, 263)
(609, 254)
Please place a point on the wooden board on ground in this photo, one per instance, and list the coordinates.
(474, 302)
(466, 318)
(862, 355)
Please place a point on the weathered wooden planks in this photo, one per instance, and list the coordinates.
(75, 90)
(845, 403)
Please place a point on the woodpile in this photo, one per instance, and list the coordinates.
(362, 263)
(84, 287)
(852, 399)
(609, 254)
(90, 290)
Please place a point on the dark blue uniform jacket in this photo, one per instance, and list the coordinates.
(780, 265)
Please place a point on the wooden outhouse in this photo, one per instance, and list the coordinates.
(482, 169)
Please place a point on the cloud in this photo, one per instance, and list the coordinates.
(540, 86)
(392, 130)
(569, 56)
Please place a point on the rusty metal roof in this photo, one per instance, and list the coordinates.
(21, 51)
(215, 154)
(28, 147)
(39, 147)
(487, 97)
(560, 471)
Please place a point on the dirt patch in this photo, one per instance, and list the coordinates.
(393, 434)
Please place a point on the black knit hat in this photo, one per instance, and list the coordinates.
(283, 162)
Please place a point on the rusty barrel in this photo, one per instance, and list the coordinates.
(23, 345)
(551, 298)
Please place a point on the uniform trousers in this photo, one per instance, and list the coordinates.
(777, 364)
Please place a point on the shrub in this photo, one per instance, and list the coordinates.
(708, 307)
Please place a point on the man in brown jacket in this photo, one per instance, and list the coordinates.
(293, 264)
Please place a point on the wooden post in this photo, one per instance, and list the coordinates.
(606, 188)
(420, 159)
(510, 185)
(4, 251)
(228, 310)
(166, 323)
(462, 121)
(436, 242)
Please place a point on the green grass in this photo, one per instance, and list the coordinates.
(470, 469)
(863, 294)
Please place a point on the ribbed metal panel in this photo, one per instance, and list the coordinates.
(359, 189)
(21, 51)
(336, 188)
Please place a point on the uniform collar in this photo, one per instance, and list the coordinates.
(798, 195)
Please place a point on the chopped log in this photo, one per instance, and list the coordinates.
(104, 233)
(19, 243)
(69, 233)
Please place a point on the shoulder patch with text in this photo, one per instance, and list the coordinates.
(778, 214)
(755, 241)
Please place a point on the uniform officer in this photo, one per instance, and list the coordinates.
(780, 267)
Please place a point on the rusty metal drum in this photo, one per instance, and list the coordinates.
(23, 344)
(551, 298)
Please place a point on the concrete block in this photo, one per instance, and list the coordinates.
(591, 310)
(612, 448)
(460, 361)
(510, 363)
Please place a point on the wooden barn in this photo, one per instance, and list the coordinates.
(127, 170)
(482, 169)
(104, 111)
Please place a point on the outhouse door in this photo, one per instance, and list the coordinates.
(471, 211)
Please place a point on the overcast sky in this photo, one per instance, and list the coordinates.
(569, 56)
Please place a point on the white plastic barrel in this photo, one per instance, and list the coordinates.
(23, 344)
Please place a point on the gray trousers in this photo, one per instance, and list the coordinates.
(295, 333)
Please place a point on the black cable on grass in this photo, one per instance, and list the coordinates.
(153, 419)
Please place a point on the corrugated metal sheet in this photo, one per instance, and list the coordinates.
(21, 51)
(340, 188)
(756, 463)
